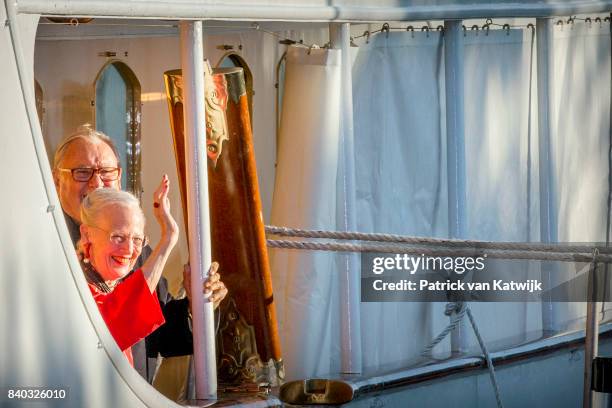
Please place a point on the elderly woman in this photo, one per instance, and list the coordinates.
(112, 237)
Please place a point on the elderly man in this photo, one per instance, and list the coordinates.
(85, 161)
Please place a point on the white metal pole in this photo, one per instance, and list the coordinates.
(591, 335)
(455, 147)
(350, 284)
(548, 219)
(591, 331)
(192, 61)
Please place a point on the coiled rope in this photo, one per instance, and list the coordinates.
(458, 310)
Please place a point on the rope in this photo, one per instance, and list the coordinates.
(389, 243)
(453, 243)
(416, 250)
(459, 310)
(487, 356)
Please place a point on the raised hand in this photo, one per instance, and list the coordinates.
(154, 265)
(161, 210)
(213, 287)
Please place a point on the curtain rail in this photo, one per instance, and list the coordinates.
(277, 12)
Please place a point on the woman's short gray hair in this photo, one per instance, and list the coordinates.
(96, 201)
(85, 132)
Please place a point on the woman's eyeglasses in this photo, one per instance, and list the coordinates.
(118, 238)
(86, 173)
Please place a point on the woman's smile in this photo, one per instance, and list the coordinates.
(113, 251)
(121, 260)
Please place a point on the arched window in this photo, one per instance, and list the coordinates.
(279, 85)
(231, 60)
(38, 94)
(118, 115)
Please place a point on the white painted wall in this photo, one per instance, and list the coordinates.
(66, 70)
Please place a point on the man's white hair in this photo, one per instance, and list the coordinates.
(85, 132)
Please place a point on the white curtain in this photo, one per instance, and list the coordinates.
(305, 284)
(501, 182)
(400, 158)
(401, 176)
(402, 182)
(579, 143)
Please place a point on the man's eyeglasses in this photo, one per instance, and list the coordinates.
(86, 173)
(118, 238)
